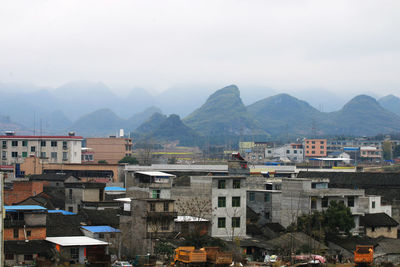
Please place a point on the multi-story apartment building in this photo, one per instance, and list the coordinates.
(266, 203)
(110, 149)
(228, 202)
(285, 153)
(144, 222)
(77, 193)
(315, 147)
(254, 152)
(51, 149)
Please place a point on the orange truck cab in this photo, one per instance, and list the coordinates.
(364, 255)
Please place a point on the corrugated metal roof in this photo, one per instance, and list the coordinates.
(67, 241)
(63, 212)
(101, 229)
(189, 219)
(114, 188)
(156, 173)
(24, 207)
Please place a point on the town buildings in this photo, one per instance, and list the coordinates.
(50, 149)
(110, 150)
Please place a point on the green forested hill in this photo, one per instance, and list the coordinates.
(223, 114)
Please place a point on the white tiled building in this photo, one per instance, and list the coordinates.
(52, 149)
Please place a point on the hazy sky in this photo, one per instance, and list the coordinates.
(337, 45)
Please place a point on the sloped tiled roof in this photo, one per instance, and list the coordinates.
(378, 220)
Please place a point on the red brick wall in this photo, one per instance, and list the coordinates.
(22, 190)
(37, 233)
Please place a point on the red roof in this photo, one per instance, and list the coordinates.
(39, 137)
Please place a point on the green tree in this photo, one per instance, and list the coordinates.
(338, 218)
(102, 161)
(396, 151)
(129, 160)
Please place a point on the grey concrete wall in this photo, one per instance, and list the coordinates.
(35, 219)
(294, 202)
(228, 212)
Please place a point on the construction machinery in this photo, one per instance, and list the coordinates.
(363, 255)
(215, 256)
(208, 256)
(189, 256)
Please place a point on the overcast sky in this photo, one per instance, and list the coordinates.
(344, 46)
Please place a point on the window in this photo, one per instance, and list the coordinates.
(156, 193)
(267, 215)
(33, 148)
(14, 143)
(236, 183)
(24, 143)
(221, 184)
(313, 152)
(221, 202)
(322, 142)
(9, 256)
(14, 154)
(166, 206)
(54, 143)
(373, 204)
(235, 222)
(24, 154)
(307, 142)
(4, 144)
(70, 193)
(308, 152)
(65, 155)
(16, 233)
(53, 155)
(313, 203)
(267, 197)
(28, 257)
(312, 142)
(70, 209)
(28, 233)
(152, 206)
(101, 235)
(373, 229)
(74, 253)
(164, 225)
(350, 201)
(269, 152)
(4, 154)
(65, 146)
(313, 147)
(287, 151)
(324, 202)
(322, 147)
(235, 201)
(251, 196)
(295, 151)
(221, 222)
(42, 154)
(42, 143)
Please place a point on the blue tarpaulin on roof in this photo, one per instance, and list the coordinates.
(23, 207)
(114, 188)
(101, 229)
(63, 212)
(351, 148)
